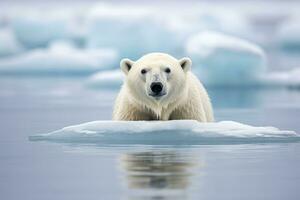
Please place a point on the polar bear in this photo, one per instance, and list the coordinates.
(160, 87)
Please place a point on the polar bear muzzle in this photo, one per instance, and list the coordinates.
(157, 89)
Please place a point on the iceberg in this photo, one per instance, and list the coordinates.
(223, 60)
(147, 29)
(289, 78)
(35, 28)
(60, 58)
(9, 45)
(133, 29)
(175, 132)
(133, 33)
(106, 79)
(212, 19)
(288, 36)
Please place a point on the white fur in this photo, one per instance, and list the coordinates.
(185, 97)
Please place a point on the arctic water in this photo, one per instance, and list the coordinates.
(43, 170)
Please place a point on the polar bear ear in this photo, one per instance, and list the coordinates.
(185, 63)
(126, 65)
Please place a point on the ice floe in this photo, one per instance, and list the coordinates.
(166, 132)
(220, 59)
(60, 58)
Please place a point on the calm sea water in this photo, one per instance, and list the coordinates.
(41, 170)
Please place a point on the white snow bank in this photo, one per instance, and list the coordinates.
(289, 78)
(8, 43)
(106, 79)
(62, 58)
(224, 60)
(289, 36)
(166, 132)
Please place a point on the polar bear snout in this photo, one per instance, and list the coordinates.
(157, 89)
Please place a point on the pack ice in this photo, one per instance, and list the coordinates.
(166, 132)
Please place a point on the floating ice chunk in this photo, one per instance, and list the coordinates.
(8, 43)
(106, 79)
(289, 78)
(289, 36)
(166, 132)
(222, 60)
(60, 58)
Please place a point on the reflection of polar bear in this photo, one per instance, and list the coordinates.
(158, 170)
(160, 87)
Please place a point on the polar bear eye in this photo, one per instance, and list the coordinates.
(168, 70)
(143, 71)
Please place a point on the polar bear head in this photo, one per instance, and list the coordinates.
(156, 78)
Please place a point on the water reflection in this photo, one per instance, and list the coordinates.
(158, 174)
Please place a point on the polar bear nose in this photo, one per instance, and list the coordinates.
(156, 87)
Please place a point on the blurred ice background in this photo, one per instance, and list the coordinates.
(233, 43)
(59, 66)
